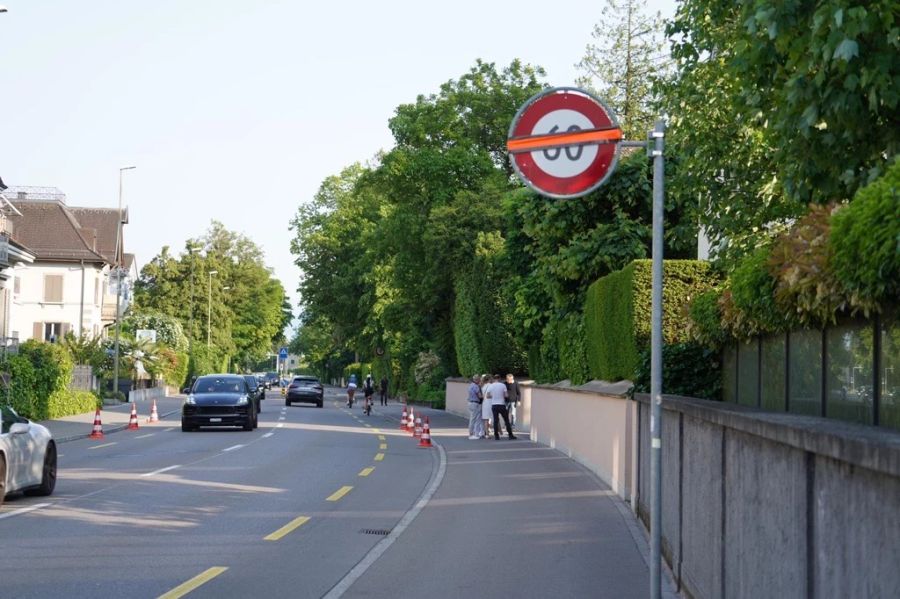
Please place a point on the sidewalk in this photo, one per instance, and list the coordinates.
(513, 518)
(114, 418)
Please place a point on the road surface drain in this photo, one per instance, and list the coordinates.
(376, 531)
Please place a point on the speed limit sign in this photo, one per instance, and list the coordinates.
(563, 142)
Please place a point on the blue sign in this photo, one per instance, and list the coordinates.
(282, 353)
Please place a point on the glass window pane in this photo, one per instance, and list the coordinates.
(849, 380)
(748, 373)
(773, 373)
(729, 373)
(889, 413)
(806, 372)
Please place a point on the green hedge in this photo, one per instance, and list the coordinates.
(618, 307)
(865, 240)
(39, 384)
(688, 369)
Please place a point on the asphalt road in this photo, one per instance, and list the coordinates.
(319, 502)
(140, 513)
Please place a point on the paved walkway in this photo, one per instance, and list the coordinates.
(511, 518)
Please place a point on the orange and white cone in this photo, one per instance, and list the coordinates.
(403, 419)
(425, 441)
(154, 415)
(132, 422)
(417, 432)
(97, 433)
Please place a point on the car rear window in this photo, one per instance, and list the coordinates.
(306, 382)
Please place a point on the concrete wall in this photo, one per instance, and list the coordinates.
(457, 396)
(758, 504)
(593, 429)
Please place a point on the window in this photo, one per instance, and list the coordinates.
(53, 331)
(848, 381)
(53, 289)
(805, 358)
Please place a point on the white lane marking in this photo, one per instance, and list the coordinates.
(267, 435)
(279, 425)
(383, 545)
(23, 510)
(161, 470)
(281, 418)
(233, 447)
(145, 436)
(168, 429)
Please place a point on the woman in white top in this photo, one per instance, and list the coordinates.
(487, 414)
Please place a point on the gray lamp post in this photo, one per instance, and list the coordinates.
(118, 273)
(209, 305)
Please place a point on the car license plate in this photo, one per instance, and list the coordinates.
(215, 420)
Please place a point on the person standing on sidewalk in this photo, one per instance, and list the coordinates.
(486, 413)
(512, 398)
(384, 389)
(497, 393)
(475, 427)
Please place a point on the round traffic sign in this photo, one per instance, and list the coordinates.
(563, 142)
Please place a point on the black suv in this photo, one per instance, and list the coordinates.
(305, 389)
(219, 400)
(257, 390)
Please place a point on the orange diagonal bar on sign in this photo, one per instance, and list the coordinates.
(556, 140)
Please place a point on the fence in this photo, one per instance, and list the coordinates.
(83, 378)
(849, 371)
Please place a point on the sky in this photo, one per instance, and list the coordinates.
(236, 111)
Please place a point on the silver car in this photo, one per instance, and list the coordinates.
(27, 456)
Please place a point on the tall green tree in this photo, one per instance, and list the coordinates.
(621, 63)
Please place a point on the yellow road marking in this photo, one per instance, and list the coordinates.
(104, 445)
(366, 471)
(290, 526)
(382, 446)
(379, 457)
(376, 430)
(339, 493)
(186, 587)
(381, 437)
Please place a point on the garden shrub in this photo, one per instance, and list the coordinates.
(571, 351)
(865, 243)
(204, 360)
(65, 402)
(752, 309)
(548, 370)
(705, 319)
(689, 369)
(469, 357)
(618, 308)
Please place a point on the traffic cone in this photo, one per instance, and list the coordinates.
(417, 432)
(154, 415)
(132, 422)
(97, 433)
(425, 441)
(403, 419)
(411, 423)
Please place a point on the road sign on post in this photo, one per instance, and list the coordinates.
(282, 354)
(563, 142)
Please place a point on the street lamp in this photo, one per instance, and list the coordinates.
(209, 305)
(118, 272)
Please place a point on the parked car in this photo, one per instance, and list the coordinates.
(219, 400)
(27, 456)
(257, 390)
(306, 389)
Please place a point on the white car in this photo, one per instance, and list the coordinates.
(27, 456)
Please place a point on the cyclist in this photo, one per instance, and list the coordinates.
(369, 391)
(351, 389)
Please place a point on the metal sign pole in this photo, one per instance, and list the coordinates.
(656, 150)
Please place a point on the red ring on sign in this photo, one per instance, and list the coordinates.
(584, 181)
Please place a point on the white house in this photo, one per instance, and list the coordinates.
(68, 287)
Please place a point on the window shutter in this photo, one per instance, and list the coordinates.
(53, 289)
(38, 331)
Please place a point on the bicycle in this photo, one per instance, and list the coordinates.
(367, 407)
(350, 393)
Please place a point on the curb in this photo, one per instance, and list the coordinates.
(110, 430)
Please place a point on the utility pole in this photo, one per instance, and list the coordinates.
(118, 273)
(209, 306)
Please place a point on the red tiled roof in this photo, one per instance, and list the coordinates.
(53, 231)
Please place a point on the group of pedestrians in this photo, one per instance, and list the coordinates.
(491, 399)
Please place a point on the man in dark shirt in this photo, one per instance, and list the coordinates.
(384, 390)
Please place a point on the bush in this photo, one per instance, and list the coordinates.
(689, 369)
(705, 319)
(573, 363)
(865, 243)
(751, 309)
(65, 402)
(618, 308)
(204, 360)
